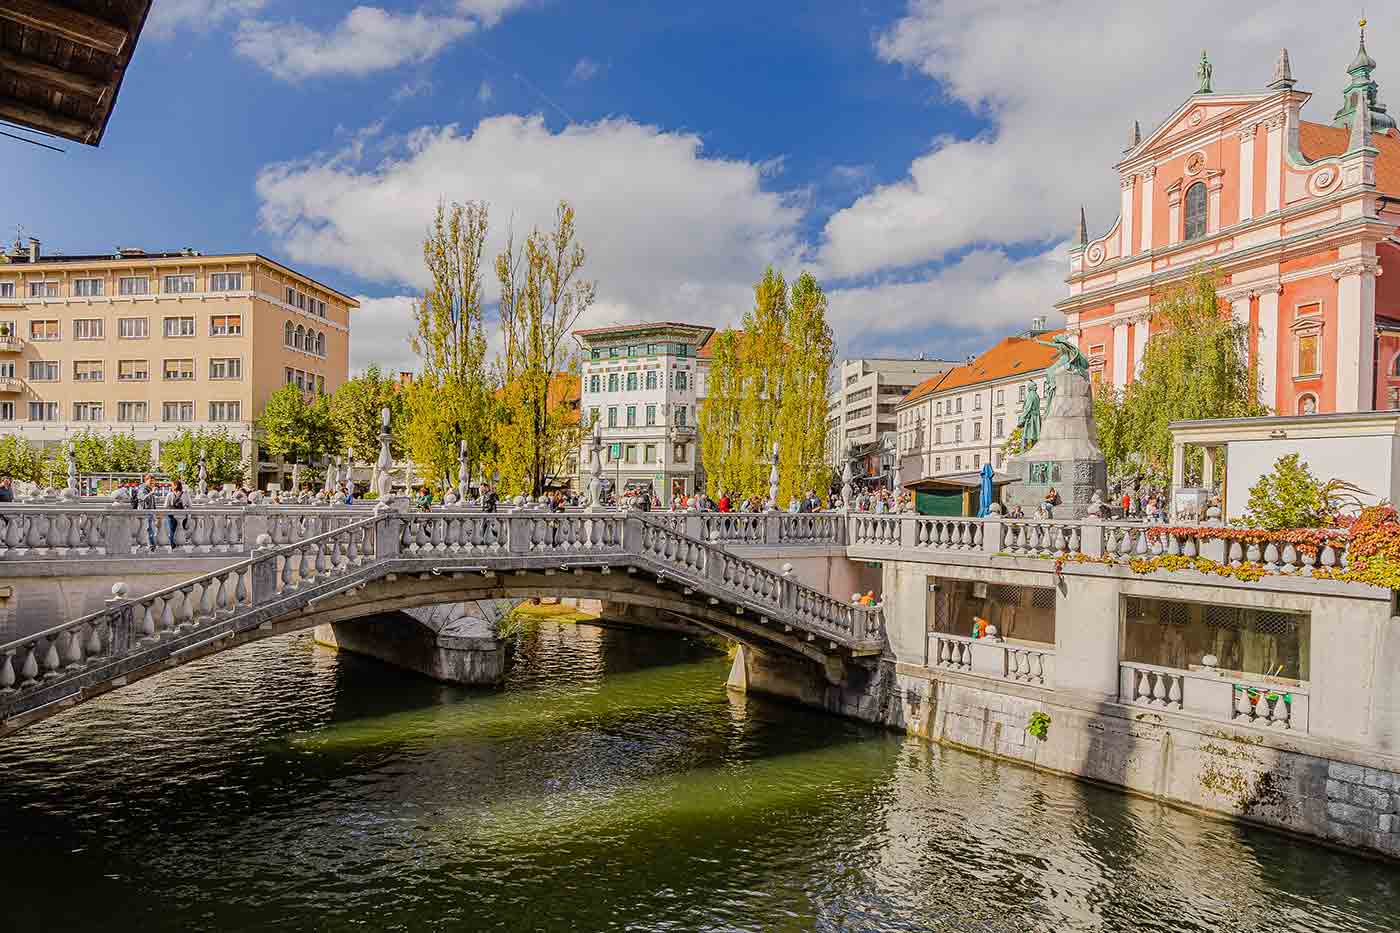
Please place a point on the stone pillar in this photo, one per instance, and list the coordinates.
(1120, 355)
(1125, 226)
(1086, 638)
(1147, 184)
(1356, 327)
(1140, 334)
(1246, 136)
(1214, 187)
(1274, 164)
(1174, 214)
(1268, 346)
(1208, 468)
(1178, 466)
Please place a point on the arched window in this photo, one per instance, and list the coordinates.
(321, 343)
(1307, 405)
(287, 335)
(1395, 366)
(1196, 211)
(299, 341)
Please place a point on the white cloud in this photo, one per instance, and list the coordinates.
(671, 234)
(379, 333)
(585, 69)
(485, 93)
(1060, 82)
(171, 16)
(367, 40)
(982, 296)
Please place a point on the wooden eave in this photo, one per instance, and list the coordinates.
(62, 63)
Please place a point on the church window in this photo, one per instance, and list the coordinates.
(1308, 361)
(1195, 211)
(1395, 366)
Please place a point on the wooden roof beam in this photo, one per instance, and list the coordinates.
(26, 115)
(55, 79)
(67, 24)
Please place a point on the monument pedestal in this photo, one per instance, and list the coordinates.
(1066, 458)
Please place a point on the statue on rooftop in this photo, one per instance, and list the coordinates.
(1203, 73)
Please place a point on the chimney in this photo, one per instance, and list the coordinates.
(33, 249)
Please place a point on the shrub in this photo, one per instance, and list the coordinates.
(1039, 725)
(1289, 496)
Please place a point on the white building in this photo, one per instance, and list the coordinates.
(642, 386)
(954, 423)
(862, 407)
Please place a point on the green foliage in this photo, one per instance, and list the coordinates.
(223, 456)
(1288, 496)
(31, 463)
(294, 427)
(1194, 368)
(769, 382)
(110, 453)
(1039, 726)
(354, 413)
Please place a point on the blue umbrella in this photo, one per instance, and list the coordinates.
(985, 505)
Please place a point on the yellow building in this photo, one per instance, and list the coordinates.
(151, 343)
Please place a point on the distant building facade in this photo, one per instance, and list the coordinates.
(151, 343)
(642, 385)
(861, 409)
(1299, 218)
(954, 423)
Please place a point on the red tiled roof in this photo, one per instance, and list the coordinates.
(1012, 356)
(1319, 141)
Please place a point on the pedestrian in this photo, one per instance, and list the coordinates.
(144, 497)
(175, 501)
(7, 494)
(424, 502)
(488, 498)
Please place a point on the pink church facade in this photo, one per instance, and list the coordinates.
(1301, 220)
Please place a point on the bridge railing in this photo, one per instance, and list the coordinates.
(281, 577)
(1113, 542)
(126, 626)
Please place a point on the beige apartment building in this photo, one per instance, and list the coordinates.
(152, 343)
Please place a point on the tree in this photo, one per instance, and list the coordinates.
(223, 456)
(542, 297)
(769, 382)
(1194, 368)
(451, 401)
(295, 428)
(354, 413)
(110, 453)
(28, 462)
(808, 351)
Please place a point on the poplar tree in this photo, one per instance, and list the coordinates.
(1195, 367)
(768, 382)
(450, 341)
(807, 358)
(543, 295)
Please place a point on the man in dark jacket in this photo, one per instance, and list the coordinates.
(488, 499)
(6, 493)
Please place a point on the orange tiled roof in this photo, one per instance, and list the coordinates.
(1319, 141)
(1011, 356)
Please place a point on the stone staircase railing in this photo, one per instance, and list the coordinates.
(330, 554)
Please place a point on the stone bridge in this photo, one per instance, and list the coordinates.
(365, 563)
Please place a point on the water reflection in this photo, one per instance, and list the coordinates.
(614, 784)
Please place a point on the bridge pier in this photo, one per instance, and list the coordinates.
(461, 650)
(857, 688)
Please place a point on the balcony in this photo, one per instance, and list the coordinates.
(11, 344)
(11, 384)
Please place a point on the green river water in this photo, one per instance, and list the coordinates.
(614, 784)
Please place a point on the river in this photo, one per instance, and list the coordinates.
(614, 784)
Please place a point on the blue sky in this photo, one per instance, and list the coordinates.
(924, 159)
